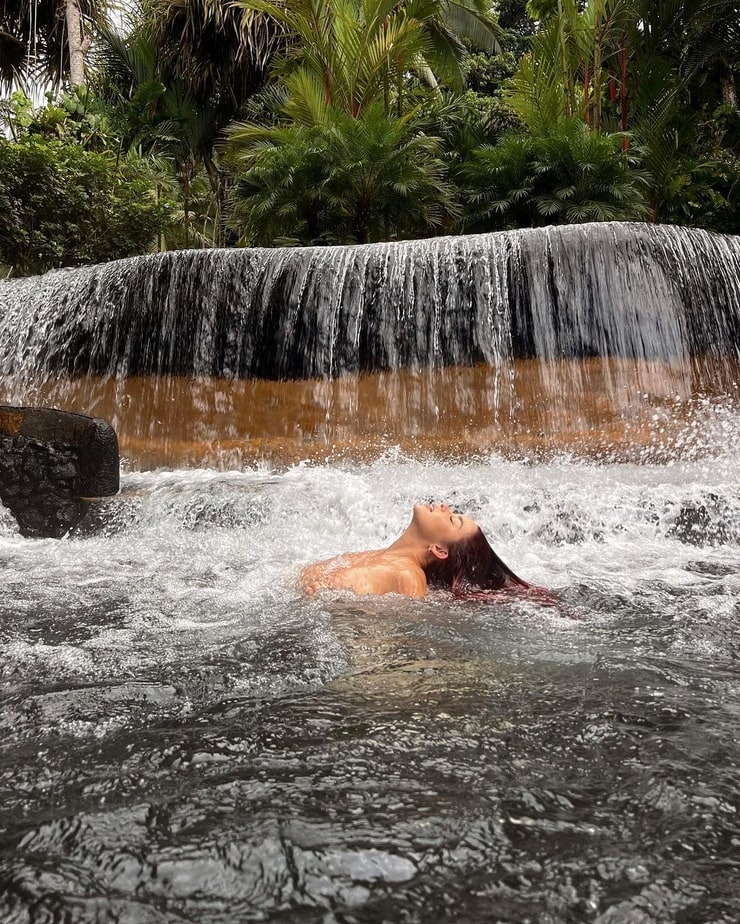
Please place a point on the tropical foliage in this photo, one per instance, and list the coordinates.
(641, 67)
(339, 178)
(568, 175)
(62, 205)
(360, 49)
(272, 122)
(46, 39)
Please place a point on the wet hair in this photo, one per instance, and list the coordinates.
(472, 568)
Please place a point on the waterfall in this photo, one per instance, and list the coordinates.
(610, 289)
(667, 297)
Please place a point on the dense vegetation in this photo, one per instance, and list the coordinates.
(267, 122)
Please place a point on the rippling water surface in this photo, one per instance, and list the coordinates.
(185, 738)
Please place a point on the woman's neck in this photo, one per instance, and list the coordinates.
(410, 545)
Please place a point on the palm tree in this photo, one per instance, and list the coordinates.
(185, 70)
(577, 53)
(343, 179)
(45, 40)
(570, 174)
(222, 52)
(157, 115)
(360, 50)
(499, 186)
(349, 158)
(642, 65)
(674, 43)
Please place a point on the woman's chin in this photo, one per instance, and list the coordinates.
(419, 513)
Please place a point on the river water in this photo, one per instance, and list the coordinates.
(185, 738)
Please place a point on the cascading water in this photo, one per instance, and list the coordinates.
(185, 737)
(466, 335)
(585, 290)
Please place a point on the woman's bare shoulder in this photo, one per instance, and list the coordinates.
(380, 578)
(411, 583)
(323, 574)
(364, 573)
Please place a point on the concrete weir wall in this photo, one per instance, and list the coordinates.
(51, 463)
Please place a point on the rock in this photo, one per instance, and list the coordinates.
(50, 462)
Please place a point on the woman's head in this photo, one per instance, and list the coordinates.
(438, 524)
(468, 564)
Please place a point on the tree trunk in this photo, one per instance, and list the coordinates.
(598, 15)
(186, 192)
(623, 98)
(728, 88)
(216, 181)
(565, 63)
(78, 42)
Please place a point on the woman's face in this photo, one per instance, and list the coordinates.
(438, 523)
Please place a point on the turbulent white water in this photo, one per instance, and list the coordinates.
(187, 562)
(187, 738)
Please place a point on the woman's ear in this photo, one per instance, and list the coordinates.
(439, 551)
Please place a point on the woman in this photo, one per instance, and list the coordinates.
(439, 548)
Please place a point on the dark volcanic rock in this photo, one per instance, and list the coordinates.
(50, 461)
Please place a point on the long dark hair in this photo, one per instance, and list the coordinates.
(471, 566)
